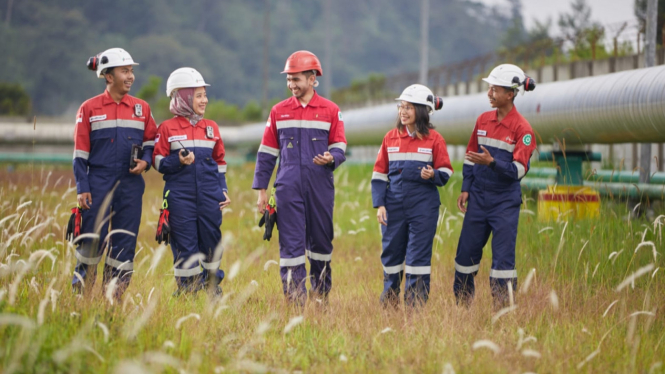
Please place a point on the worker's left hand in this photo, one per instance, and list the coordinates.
(225, 203)
(427, 173)
(324, 159)
(140, 166)
(483, 158)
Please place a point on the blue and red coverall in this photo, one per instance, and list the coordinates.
(305, 192)
(412, 209)
(193, 201)
(103, 138)
(494, 202)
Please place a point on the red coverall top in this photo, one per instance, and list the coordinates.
(400, 161)
(297, 135)
(104, 134)
(511, 142)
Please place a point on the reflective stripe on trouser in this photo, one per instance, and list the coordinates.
(305, 232)
(195, 221)
(407, 248)
(126, 207)
(488, 212)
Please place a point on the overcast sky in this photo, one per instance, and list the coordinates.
(604, 11)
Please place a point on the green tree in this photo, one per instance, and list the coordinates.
(14, 101)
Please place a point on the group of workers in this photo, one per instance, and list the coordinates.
(116, 139)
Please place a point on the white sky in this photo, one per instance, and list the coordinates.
(604, 11)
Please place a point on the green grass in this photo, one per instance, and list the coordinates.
(245, 331)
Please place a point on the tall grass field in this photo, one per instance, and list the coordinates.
(590, 298)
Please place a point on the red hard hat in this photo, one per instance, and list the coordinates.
(302, 61)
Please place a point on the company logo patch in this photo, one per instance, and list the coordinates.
(268, 123)
(482, 132)
(98, 118)
(177, 137)
(339, 116)
(393, 149)
(425, 150)
(285, 116)
(157, 138)
(526, 139)
(79, 120)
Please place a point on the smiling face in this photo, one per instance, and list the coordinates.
(407, 113)
(300, 84)
(120, 79)
(500, 96)
(200, 101)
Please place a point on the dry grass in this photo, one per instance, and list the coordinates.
(570, 317)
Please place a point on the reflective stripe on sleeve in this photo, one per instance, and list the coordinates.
(380, 176)
(467, 162)
(318, 256)
(149, 143)
(81, 154)
(126, 266)
(393, 269)
(221, 168)
(339, 145)
(292, 261)
(158, 159)
(521, 170)
(503, 274)
(466, 269)
(418, 270)
(269, 150)
(446, 170)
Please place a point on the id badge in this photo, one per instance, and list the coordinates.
(138, 110)
(209, 133)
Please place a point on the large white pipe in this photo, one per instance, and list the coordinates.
(622, 107)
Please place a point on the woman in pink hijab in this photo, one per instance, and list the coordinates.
(190, 153)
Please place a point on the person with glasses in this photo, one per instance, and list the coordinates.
(412, 162)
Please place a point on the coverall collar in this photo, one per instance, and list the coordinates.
(314, 102)
(107, 99)
(184, 123)
(507, 119)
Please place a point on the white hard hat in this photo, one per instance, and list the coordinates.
(419, 94)
(184, 78)
(507, 75)
(110, 58)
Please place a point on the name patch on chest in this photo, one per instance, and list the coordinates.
(482, 132)
(393, 149)
(98, 118)
(177, 137)
(425, 150)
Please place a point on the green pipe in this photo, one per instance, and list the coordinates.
(620, 190)
(625, 176)
(35, 157)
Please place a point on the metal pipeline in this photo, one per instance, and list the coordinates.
(614, 190)
(622, 107)
(624, 176)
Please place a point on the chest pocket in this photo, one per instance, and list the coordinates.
(289, 149)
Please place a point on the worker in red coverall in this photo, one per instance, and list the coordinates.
(107, 127)
(306, 131)
(190, 153)
(412, 162)
(497, 158)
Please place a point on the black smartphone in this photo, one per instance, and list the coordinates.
(136, 154)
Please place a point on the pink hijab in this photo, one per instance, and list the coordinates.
(182, 104)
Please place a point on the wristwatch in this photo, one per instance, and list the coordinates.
(492, 164)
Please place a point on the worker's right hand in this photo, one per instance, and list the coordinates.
(84, 200)
(461, 201)
(263, 200)
(381, 216)
(186, 160)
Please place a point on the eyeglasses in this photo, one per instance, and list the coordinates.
(406, 108)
